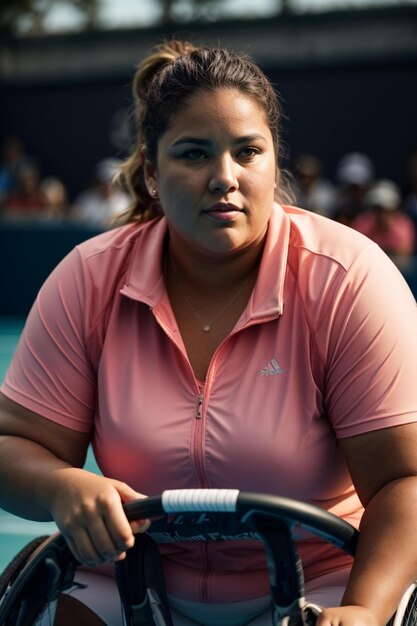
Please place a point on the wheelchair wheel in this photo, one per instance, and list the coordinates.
(18, 562)
(406, 614)
(33, 581)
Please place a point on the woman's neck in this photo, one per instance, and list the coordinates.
(201, 272)
(207, 297)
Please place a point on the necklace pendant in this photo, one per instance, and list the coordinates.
(206, 328)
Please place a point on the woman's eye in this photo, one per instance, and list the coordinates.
(194, 155)
(249, 152)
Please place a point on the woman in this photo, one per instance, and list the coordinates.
(220, 339)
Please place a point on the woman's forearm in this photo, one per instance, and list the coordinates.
(27, 478)
(386, 559)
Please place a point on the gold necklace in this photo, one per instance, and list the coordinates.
(206, 326)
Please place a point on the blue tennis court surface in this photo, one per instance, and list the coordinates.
(10, 329)
(15, 532)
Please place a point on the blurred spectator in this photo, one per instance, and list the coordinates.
(385, 223)
(355, 173)
(13, 159)
(313, 192)
(105, 199)
(410, 201)
(56, 198)
(28, 201)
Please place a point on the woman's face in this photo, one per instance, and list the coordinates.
(215, 174)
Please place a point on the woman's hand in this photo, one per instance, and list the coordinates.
(346, 616)
(88, 510)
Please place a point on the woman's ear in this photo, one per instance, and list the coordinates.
(149, 173)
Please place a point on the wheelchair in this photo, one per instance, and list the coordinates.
(32, 582)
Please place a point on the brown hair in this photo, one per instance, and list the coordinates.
(173, 72)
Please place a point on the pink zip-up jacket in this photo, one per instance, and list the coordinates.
(326, 348)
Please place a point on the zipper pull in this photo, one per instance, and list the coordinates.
(199, 414)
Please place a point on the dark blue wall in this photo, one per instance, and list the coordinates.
(28, 254)
(369, 108)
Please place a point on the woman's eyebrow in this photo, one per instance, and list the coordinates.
(207, 142)
(194, 140)
(249, 138)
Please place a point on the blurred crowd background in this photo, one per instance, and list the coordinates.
(357, 197)
(346, 72)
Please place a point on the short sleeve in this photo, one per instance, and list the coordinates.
(50, 372)
(370, 339)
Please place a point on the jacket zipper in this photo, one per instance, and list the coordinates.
(198, 436)
(198, 450)
(199, 413)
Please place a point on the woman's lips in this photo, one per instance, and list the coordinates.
(223, 211)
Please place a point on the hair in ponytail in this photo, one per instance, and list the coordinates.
(131, 175)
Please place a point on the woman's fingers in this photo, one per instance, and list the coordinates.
(140, 526)
(127, 494)
(92, 543)
(82, 548)
(353, 615)
(109, 539)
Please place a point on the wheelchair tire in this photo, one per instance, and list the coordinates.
(18, 562)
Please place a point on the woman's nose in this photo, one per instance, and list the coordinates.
(224, 177)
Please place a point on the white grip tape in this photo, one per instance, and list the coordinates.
(199, 500)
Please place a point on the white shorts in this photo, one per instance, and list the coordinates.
(102, 597)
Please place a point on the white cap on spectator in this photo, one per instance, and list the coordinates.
(106, 169)
(355, 168)
(384, 194)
